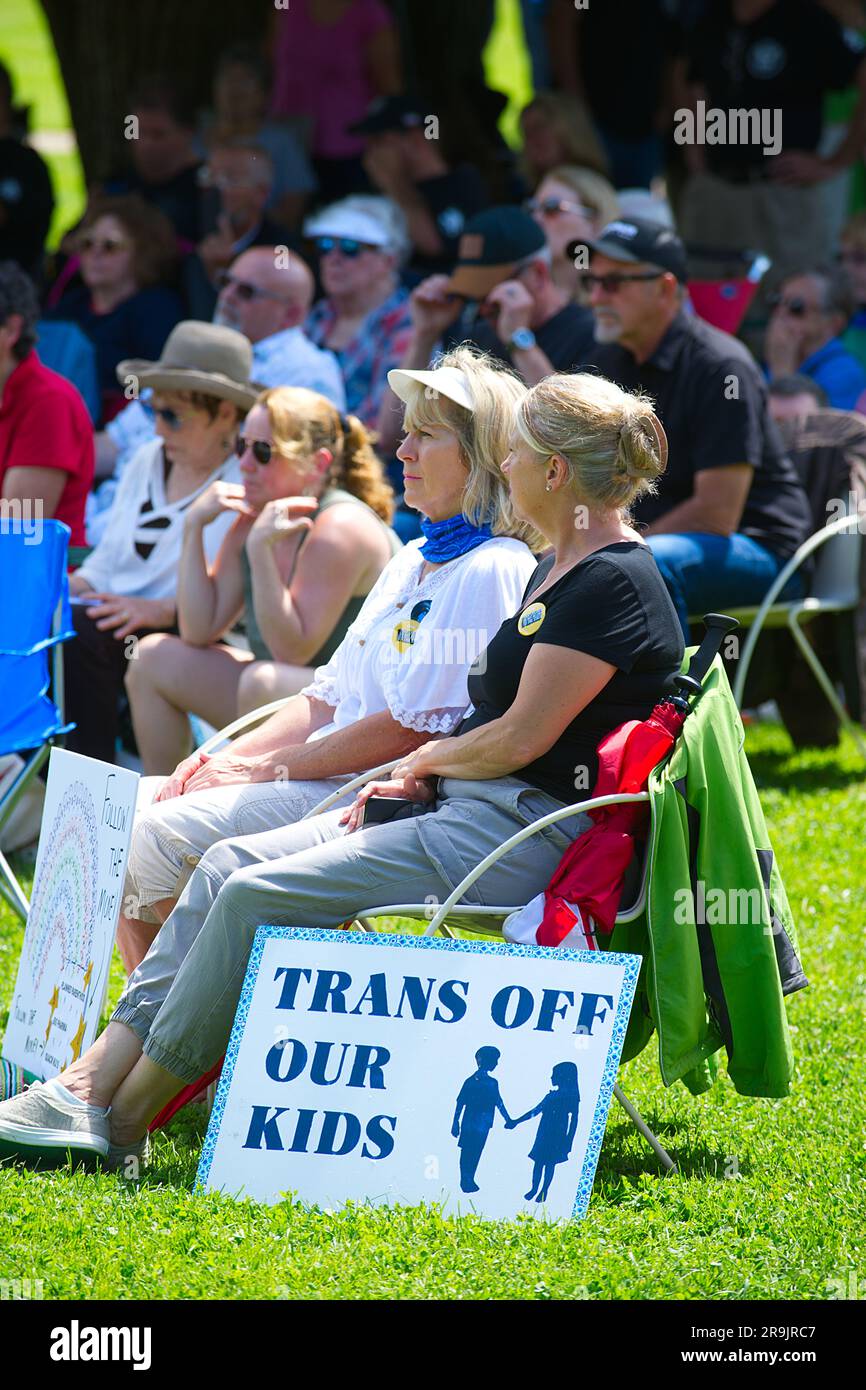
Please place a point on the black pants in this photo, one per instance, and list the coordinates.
(94, 667)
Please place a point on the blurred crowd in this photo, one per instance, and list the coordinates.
(196, 379)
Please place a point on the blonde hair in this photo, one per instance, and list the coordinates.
(302, 422)
(483, 435)
(595, 191)
(611, 440)
(571, 121)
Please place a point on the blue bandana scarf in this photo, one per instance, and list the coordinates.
(445, 540)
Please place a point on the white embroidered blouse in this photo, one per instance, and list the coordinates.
(410, 648)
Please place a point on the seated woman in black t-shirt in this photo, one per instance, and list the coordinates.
(596, 641)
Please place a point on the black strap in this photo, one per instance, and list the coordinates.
(539, 574)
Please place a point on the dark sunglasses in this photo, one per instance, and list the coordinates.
(347, 246)
(611, 283)
(552, 206)
(797, 308)
(109, 246)
(261, 452)
(242, 288)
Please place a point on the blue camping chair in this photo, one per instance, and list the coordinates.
(35, 619)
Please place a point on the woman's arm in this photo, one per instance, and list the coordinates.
(207, 604)
(557, 683)
(295, 621)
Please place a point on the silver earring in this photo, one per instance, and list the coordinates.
(548, 488)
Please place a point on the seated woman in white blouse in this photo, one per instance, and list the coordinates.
(398, 677)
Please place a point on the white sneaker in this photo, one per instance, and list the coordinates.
(42, 1129)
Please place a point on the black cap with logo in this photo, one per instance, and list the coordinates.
(388, 113)
(638, 241)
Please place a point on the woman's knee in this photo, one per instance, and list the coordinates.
(152, 653)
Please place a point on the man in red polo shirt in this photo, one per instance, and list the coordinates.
(46, 435)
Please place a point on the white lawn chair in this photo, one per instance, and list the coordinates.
(488, 920)
(835, 588)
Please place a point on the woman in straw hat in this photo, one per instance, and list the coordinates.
(594, 641)
(126, 586)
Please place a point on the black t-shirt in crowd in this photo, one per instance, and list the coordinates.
(787, 59)
(613, 605)
(566, 338)
(179, 197)
(712, 400)
(451, 200)
(26, 205)
(622, 45)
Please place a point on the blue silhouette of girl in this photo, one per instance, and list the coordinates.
(556, 1129)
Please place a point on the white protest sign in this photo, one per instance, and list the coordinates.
(76, 901)
(402, 1069)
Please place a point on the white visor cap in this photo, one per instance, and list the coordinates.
(351, 223)
(447, 381)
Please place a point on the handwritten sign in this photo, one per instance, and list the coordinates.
(402, 1069)
(76, 902)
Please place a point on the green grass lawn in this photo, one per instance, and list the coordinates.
(768, 1203)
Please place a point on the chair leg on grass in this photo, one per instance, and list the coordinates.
(826, 685)
(640, 1123)
(11, 889)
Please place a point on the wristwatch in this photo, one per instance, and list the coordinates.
(522, 338)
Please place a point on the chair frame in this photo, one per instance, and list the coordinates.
(10, 889)
(795, 615)
(480, 919)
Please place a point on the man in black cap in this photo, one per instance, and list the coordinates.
(405, 162)
(729, 510)
(501, 297)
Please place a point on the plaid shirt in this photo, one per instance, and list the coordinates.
(365, 362)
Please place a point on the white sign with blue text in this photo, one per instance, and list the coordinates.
(403, 1069)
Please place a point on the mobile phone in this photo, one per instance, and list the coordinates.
(379, 810)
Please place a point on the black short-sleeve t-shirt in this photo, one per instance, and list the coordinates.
(613, 605)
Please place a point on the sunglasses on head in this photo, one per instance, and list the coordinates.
(242, 288)
(108, 245)
(612, 282)
(261, 452)
(346, 245)
(551, 206)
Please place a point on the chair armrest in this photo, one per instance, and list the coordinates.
(809, 546)
(360, 781)
(242, 725)
(620, 799)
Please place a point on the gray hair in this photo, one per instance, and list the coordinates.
(837, 291)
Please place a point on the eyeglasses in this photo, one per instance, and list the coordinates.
(612, 282)
(796, 307)
(243, 289)
(109, 246)
(261, 452)
(207, 178)
(549, 207)
(346, 245)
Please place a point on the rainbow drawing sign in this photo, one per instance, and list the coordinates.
(399, 1069)
(76, 901)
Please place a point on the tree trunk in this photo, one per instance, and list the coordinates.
(104, 48)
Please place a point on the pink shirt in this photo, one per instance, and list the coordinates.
(319, 71)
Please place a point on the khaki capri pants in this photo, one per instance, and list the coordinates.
(181, 1000)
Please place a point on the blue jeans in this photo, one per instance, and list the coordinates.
(709, 574)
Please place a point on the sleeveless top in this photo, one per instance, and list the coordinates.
(257, 643)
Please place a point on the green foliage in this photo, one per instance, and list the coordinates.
(768, 1202)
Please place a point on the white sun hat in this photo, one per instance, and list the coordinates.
(350, 222)
(447, 381)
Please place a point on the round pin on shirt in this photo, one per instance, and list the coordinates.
(531, 618)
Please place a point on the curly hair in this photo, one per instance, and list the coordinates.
(153, 240)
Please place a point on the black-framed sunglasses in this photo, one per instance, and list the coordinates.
(611, 283)
(261, 452)
(346, 245)
(796, 307)
(242, 288)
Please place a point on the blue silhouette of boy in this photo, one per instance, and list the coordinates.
(476, 1108)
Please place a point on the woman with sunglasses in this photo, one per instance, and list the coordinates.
(127, 252)
(126, 586)
(308, 541)
(364, 316)
(399, 675)
(571, 204)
